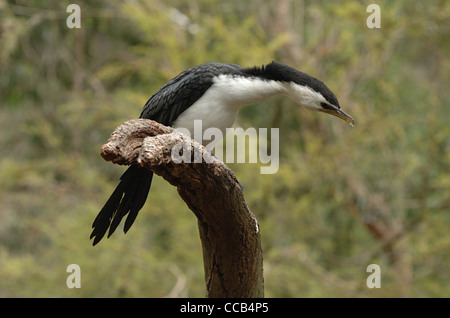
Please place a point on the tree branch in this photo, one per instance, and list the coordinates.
(229, 233)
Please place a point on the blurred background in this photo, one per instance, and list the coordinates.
(343, 198)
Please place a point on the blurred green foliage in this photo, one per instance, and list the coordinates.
(342, 199)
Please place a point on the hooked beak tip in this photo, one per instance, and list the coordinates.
(341, 114)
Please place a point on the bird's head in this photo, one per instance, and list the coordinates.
(306, 90)
(320, 98)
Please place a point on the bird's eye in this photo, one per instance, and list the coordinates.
(327, 107)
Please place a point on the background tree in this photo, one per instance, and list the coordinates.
(341, 200)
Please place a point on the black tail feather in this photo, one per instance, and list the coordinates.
(145, 183)
(128, 198)
(126, 202)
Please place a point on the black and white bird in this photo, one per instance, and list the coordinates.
(213, 93)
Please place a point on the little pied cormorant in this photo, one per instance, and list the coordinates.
(213, 93)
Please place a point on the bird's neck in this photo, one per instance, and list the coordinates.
(238, 91)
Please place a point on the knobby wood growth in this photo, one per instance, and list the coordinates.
(231, 242)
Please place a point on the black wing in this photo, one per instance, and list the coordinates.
(184, 90)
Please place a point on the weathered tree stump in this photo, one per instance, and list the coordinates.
(229, 232)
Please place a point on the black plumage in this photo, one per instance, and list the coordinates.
(183, 90)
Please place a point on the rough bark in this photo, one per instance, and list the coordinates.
(229, 232)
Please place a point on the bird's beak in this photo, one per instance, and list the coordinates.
(341, 114)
